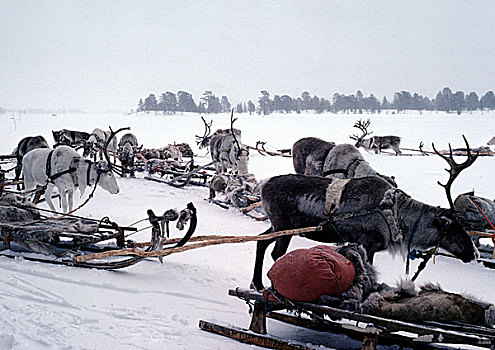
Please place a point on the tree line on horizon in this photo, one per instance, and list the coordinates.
(445, 100)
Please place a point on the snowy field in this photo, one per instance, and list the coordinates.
(158, 306)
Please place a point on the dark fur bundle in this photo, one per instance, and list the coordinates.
(364, 283)
(431, 303)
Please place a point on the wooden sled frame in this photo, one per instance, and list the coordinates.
(371, 330)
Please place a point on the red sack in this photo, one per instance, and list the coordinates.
(307, 274)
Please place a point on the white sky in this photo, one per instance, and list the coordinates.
(105, 55)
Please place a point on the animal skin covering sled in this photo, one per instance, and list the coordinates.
(62, 240)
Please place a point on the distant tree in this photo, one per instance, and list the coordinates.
(185, 102)
(488, 100)
(385, 103)
(168, 102)
(458, 102)
(239, 108)
(251, 107)
(150, 103)
(141, 107)
(443, 100)
(297, 105)
(306, 100)
(277, 104)
(264, 103)
(225, 105)
(211, 102)
(472, 101)
(201, 108)
(286, 103)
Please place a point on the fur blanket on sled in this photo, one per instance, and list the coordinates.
(405, 302)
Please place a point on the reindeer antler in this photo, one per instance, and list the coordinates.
(455, 168)
(363, 126)
(232, 121)
(113, 167)
(206, 133)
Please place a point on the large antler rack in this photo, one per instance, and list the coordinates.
(201, 139)
(232, 121)
(363, 126)
(113, 167)
(455, 168)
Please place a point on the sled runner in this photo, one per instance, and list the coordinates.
(371, 330)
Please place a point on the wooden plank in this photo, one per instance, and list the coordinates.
(248, 337)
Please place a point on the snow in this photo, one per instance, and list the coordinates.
(158, 306)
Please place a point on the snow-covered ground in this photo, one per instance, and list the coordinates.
(158, 306)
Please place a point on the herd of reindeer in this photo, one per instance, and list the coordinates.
(333, 188)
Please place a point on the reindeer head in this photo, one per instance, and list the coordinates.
(447, 221)
(363, 126)
(204, 141)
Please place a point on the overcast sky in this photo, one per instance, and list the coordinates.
(105, 55)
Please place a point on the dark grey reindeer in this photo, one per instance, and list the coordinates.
(24, 146)
(70, 137)
(127, 149)
(316, 157)
(375, 143)
(367, 210)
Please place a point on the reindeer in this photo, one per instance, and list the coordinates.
(316, 157)
(70, 137)
(367, 210)
(24, 146)
(345, 161)
(375, 143)
(226, 149)
(96, 144)
(309, 154)
(65, 169)
(127, 149)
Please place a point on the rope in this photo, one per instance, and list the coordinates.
(481, 211)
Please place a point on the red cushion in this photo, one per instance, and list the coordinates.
(307, 274)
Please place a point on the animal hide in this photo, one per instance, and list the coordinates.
(431, 303)
(15, 208)
(334, 192)
(364, 283)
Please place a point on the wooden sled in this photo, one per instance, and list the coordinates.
(185, 175)
(371, 330)
(64, 241)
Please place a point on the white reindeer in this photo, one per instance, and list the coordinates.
(65, 169)
(96, 143)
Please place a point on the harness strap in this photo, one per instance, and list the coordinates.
(53, 177)
(88, 172)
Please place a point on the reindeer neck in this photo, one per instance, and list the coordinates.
(415, 218)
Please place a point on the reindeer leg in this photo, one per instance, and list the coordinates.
(70, 198)
(261, 246)
(48, 196)
(18, 170)
(63, 198)
(281, 247)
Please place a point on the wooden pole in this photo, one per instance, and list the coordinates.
(222, 240)
(248, 337)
